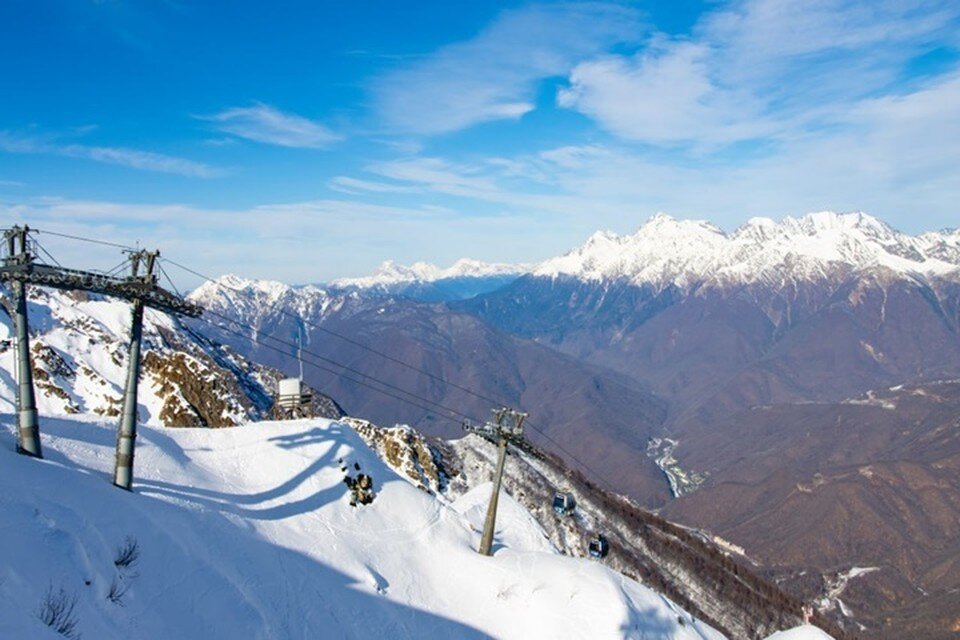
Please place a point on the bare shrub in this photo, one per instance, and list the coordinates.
(118, 589)
(127, 554)
(57, 612)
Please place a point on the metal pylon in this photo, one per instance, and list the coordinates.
(28, 429)
(127, 431)
(507, 427)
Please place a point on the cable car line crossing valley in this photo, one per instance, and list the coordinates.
(337, 373)
(21, 267)
(347, 339)
(497, 403)
(340, 336)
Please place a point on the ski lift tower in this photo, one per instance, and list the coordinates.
(507, 427)
(21, 267)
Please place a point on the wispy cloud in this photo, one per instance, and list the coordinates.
(133, 158)
(346, 184)
(758, 69)
(307, 241)
(494, 76)
(262, 123)
(895, 156)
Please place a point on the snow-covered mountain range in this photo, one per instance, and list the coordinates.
(667, 251)
(391, 273)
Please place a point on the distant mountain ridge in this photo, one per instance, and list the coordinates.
(466, 278)
(390, 273)
(665, 250)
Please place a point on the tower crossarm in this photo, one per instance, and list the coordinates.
(151, 294)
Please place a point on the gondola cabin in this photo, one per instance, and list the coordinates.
(292, 399)
(599, 547)
(564, 503)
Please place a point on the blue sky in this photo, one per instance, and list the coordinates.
(303, 141)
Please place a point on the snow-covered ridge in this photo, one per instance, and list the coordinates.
(79, 349)
(391, 273)
(684, 252)
(245, 298)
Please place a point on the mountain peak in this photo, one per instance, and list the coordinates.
(661, 222)
(833, 221)
(213, 289)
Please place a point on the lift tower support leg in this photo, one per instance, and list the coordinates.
(28, 434)
(127, 433)
(490, 523)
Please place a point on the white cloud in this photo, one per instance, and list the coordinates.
(662, 96)
(262, 123)
(494, 76)
(757, 69)
(133, 158)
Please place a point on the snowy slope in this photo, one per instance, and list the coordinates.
(247, 533)
(687, 252)
(684, 564)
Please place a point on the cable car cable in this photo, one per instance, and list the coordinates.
(346, 338)
(549, 438)
(344, 367)
(83, 239)
(339, 374)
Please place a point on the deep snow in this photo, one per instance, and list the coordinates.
(247, 533)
